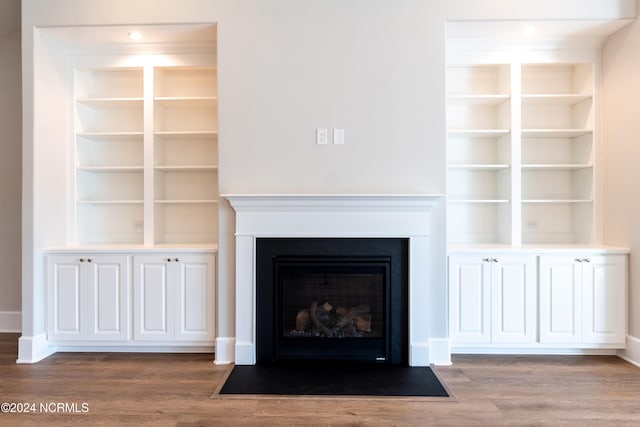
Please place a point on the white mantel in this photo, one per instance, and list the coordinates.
(417, 217)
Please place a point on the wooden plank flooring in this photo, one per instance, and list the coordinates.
(175, 390)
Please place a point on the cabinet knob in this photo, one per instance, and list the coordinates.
(168, 259)
(81, 259)
(89, 260)
(587, 259)
(494, 259)
(176, 259)
(579, 259)
(486, 259)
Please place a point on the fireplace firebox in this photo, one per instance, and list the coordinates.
(332, 299)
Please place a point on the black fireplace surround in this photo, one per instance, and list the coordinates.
(332, 299)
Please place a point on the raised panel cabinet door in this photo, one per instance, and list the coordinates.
(153, 299)
(64, 295)
(193, 278)
(604, 309)
(560, 299)
(107, 282)
(469, 299)
(513, 299)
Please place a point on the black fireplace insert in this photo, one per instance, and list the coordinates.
(332, 299)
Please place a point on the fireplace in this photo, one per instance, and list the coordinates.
(419, 220)
(332, 299)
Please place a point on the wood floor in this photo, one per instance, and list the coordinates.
(174, 390)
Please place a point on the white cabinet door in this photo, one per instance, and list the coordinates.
(153, 302)
(193, 278)
(604, 307)
(583, 299)
(469, 302)
(88, 297)
(560, 299)
(174, 297)
(106, 278)
(513, 299)
(64, 298)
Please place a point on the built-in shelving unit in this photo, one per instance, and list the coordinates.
(520, 144)
(557, 153)
(479, 110)
(146, 155)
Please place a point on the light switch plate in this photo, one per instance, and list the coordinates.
(338, 136)
(322, 136)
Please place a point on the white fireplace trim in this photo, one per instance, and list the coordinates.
(418, 218)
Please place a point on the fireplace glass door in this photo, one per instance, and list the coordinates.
(332, 299)
(332, 308)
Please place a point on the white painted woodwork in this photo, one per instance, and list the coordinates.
(513, 299)
(173, 297)
(522, 152)
(375, 215)
(492, 299)
(146, 151)
(560, 300)
(153, 306)
(195, 299)
(604, 281)
(583, 299)
(88, 297)
(470, 299)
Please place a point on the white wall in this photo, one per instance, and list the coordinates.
(10, 166)
(621, 71)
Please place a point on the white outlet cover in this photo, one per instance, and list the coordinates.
(338, 136)
(322, 136)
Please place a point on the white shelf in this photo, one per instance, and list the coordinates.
(477, 133)
(187, 101)
(133, 124)
(108, 169)
(208, 168)
(555, 99)
(520, 153)
(490, 99)
(110, 202)
(495, 167)
(556, 201)
(560, 167)
(187, 134)
(112, 102)
(479, 201)
(187, 202)
(555, 133)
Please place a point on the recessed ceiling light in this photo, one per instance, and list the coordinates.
(528, 31)
(135, 35)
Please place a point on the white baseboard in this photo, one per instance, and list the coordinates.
(34, 349)
(440, 351)
(10, 321)
(225, 353)
(632, 353)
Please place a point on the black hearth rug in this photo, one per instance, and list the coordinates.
(333, 379)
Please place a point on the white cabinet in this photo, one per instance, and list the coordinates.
(583, 299)
(521, 153)
(88, 297)
(492, 298)
(146, 162)
(174, 297)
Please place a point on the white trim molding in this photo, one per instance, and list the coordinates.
(416, 217)
(632, 353)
